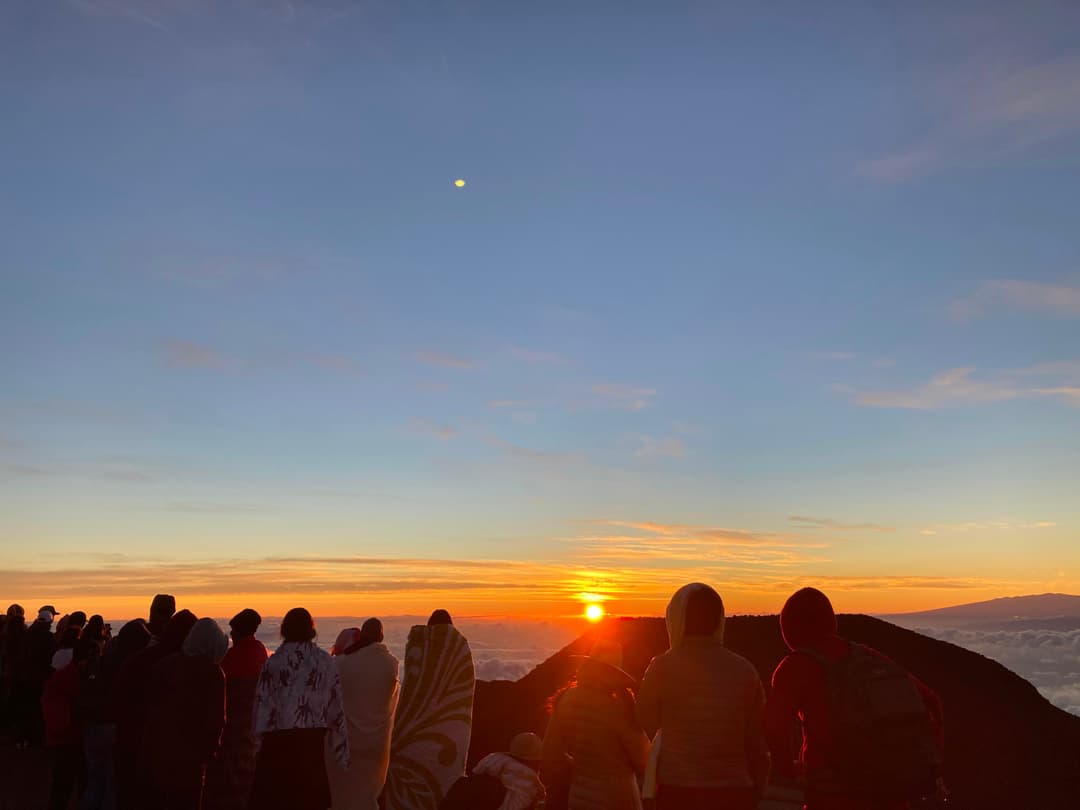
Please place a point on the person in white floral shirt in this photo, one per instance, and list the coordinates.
(297, 705)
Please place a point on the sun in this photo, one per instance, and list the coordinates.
(594, 612)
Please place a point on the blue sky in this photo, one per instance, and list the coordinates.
(714, 269)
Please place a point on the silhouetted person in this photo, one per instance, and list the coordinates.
(850, 764)
(369, 691)
(129, 700)
(297, 707)
(63, 732)
(593, 727)
(39, 650)
(229, 775)
(162, 609)
(97, 676)
(16, 677)
(707, 704)
(184, 721)
(439, 616)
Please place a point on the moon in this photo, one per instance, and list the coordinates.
(459, 183)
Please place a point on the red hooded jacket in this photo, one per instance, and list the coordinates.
(799, 689)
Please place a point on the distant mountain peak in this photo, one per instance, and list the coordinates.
(1035, 606)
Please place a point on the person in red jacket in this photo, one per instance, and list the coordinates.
(801, 690)
(63, 732)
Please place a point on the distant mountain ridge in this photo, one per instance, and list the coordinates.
(1006, 608)
(1007, 747)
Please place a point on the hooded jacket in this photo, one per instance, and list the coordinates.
(800, 690)
(707, 701)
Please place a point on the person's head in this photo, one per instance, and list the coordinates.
(807, 619)
(162, 608)
(133, 636)
(440, 616)
(345, 639)
(696, 610)
(76, 619)
(206, 639)
(298, 625)
(371, 631)
(46, 614)
(528, 749)
(16, 610)
(244, 624)
(704, 613)
(177, 628)
(95, 628)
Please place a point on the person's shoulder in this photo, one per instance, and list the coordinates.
(741, 664)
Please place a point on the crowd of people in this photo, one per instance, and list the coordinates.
(169, 715)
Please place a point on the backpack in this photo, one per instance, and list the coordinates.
(475, 791)
(883, 743)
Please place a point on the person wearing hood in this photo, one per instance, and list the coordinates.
(593, 725)
(162, 609)
(96, 677)
(369, 693)
(130, 695)
(801, 690)
(185, 718)
(229, 775)
(705, 704)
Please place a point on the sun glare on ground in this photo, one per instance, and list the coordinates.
(594, 612)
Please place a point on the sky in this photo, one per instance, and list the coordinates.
(763, 297)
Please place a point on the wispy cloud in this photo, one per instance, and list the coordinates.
(623, 397)
(833, 355)
(533, 357)
(187, 355)
(985, 112)
(427, 427)
(510, 403)
(984, 526)
(671, 446)
(962, 387)
(805, 522)
(1061, 300)
(213, 507)
(431, 358)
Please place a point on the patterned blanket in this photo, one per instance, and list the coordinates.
(433, 721)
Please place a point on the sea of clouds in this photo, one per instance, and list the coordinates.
(1048, 658)
(502, 649)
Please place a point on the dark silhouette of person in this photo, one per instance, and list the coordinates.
(801, 690)
(439, 616)
(130, 695)
(229, 775)
(184, 720)
(162, 609)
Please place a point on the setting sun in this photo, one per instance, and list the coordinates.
(594, 612)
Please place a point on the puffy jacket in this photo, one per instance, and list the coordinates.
(708, 701)
(598, 731)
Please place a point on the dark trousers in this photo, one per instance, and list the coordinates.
(68, 775)
(687, 798)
